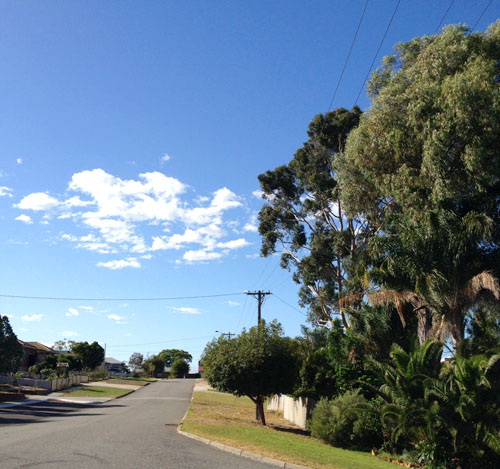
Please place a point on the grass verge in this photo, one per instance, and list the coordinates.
(230, 420)
(98, 391)
(132, 382)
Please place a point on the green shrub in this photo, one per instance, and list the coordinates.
(348, 421)
(98, 375)
(179, 368)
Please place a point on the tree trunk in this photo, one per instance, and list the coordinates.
(259, 410)
(424, 326)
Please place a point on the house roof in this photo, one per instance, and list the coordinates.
(40, 346)
(113, 361)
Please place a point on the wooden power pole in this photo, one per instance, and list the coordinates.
(260, 295)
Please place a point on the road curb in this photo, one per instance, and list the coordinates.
(240, 452)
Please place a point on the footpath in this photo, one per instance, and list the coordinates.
(32, 399)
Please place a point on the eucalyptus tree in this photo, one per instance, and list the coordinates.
(423, 167)
(304, 218)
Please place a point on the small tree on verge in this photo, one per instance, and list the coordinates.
(257, 363)
(170, 355)
(135, 361)
(10, 350)
(179, 368)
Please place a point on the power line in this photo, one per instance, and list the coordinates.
(164, 298)
(288, 304)
(348, 55)
(444, 16)
(378, 50)
(163, 342)
(481, 15)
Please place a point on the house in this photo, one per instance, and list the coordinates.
(114, 366)
(33, 353)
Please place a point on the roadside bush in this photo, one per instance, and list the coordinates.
(98, 375)
(348, 421)
(179, 368)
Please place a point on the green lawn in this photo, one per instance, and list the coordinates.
(97, 391)
(133, 382)
(230, 420)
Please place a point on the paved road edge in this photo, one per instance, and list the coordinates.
(240, 452)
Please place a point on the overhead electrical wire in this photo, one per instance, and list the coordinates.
(348, 55)
(378, 50)
(482, 13)
(288, 304)
(444, 16)
(162, 298)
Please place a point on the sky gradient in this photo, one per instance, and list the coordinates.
(131, 138)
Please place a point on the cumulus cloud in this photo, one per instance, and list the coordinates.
(120, 264)
(117, 319)
(201, 256)
(186, 310)
(5, 191)
(32, 318)
(165, 157)
(37, 201)
(25, 219)
(72, 312)
(112, 209)
(19, 161)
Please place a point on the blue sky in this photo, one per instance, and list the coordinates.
(131, 138)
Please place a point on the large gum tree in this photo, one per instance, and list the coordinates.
(424, 166)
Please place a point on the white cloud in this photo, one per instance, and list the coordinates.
(250, 227)
(113, 209)
(233, 303)
(68, 334)
(186, 310)
(33, 317)
(25, 219)
(166, 157)
(201, 255)
(120, 264)
(38, 201)
(234, 244)
(10, 316)
(117, 319)
(258, 194)
(87, 308)
(72, 312)
(5, 191)
(19, 161)
(22, 329)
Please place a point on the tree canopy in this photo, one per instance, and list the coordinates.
(172, 354)
(304, 218)
(90, 355)
(257, 363)
(423, 169)
(10, 349)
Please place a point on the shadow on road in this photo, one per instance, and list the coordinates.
(48, 410)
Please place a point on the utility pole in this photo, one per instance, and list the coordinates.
(260, 295)
(228, 334)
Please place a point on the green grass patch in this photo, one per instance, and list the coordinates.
(131, 382)
(231, 420)
(98, 391)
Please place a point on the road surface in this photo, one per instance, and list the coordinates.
(136, 431)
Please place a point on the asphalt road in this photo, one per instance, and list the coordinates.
(136, 431)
